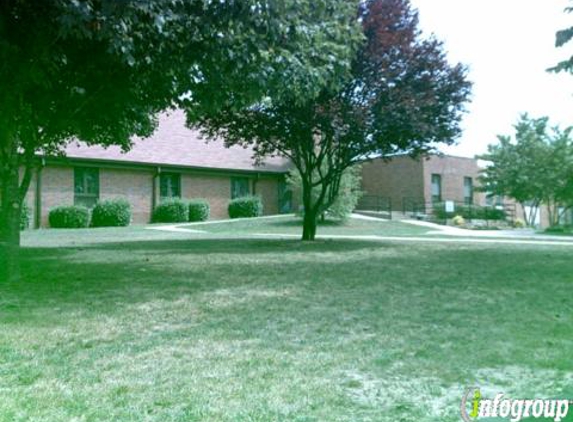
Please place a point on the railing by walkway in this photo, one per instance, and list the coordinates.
(440, 211)
(380, 205)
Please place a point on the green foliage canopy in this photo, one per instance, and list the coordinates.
(101, 70)
(534, 168)
(402, 95)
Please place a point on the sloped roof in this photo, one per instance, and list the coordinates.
(174, 144)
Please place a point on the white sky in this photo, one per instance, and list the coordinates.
(508, 45)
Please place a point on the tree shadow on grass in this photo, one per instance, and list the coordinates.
(234, 246)
(108, 275)
(297, 222)
(102, 278)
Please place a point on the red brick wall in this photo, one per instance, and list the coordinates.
(57, 189)
(397, 179)
(453, 170)
(134, 185)
(137, 187)
(268, 189)
(215, 189)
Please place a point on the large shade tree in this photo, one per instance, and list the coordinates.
(402, 97)
(101, 70)
(534, 167)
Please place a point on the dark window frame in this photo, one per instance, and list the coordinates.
(469, 200)
(86, 186)
(238, 191)
(438, 197)
(172, 189)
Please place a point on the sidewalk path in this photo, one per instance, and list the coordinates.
(530, 234)
(515, 241)
(439, 234)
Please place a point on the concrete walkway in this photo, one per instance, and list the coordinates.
(436, 234)
(439, 229)
(418, 239)
(369, 218)
(183, 227)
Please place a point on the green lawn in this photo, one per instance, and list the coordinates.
(138, 325)
(293, 225)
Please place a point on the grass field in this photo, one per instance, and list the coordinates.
(291, 225)
(139, 325)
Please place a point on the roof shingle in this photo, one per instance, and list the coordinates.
(176, 145)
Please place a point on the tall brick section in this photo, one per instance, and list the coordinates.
(403, 179)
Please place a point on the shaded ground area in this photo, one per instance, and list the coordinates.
(293, 225)
(132, 324)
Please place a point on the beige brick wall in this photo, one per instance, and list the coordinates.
(57, 189)
(268, 189)
(396, 179)
(453, 170)
(137, 187)
(134, 185)
(215, 189)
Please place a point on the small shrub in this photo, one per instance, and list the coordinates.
(72, 217)
(171, 211)
(519, 223)
(469, 212)
(490, 213)
(458, 220)
(25, 217)
(111, 213)
(559, 229)
(198, 210)
(245, 207)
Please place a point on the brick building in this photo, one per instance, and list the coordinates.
(174, 162)
(407, 184)
(405, 181)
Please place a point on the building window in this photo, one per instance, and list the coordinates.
(468, 191)
(169, 186)
(86, 186)
(240, 186)
(493, 200)
(436, 188)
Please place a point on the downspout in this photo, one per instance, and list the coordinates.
(38, 195)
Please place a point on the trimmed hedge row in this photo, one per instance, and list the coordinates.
(179, 211)
(72, 217)
(117, 213)
(110, 213)
(171, 211)
(246, 207)
(469, 212)
(199, 210)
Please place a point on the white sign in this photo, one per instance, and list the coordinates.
(450, 207)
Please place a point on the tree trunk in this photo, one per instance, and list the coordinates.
(309, 226)
(10, 211)
(310, 215)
